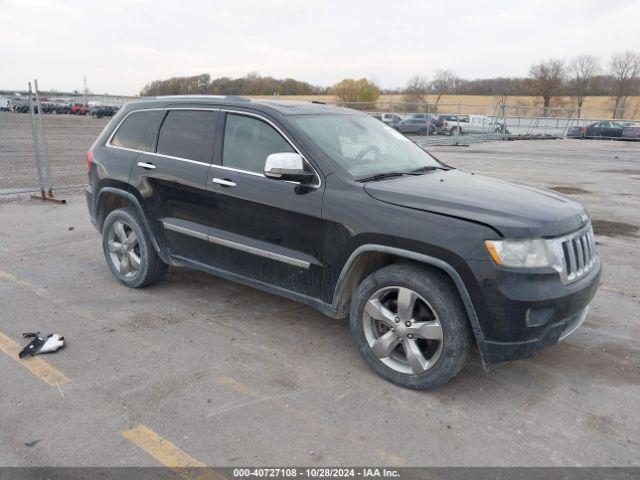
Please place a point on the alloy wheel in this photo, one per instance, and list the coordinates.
(402, 330)
(124, 248)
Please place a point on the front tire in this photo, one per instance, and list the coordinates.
(129, 251)
(410, 327)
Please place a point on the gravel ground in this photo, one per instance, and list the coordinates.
(233, 376)
(68, 138)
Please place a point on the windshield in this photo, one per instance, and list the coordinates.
(363, 145)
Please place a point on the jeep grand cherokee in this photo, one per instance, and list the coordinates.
(330, 207)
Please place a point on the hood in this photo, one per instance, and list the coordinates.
(513, 209)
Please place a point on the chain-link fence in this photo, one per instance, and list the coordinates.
(69, 135)
(460, 123)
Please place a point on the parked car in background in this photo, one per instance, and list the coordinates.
(104, 111)
(631, 131)
(78, 109)
(415, 126)
(576, 131)
(24, 108)
(449, 124)
(430, 117)
(461, 124)
(390, 119)
(425, 116)
(60, 109)
(605, 129)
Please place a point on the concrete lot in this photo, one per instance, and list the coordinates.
(233, 376)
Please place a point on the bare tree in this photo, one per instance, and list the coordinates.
(583, 69)
(546, 80)
(625, 69)
(417, 89)
(443, 82)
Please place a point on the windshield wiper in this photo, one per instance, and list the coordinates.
(416, 171)
(426, 168)
(382, 176)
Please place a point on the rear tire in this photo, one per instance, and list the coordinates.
(129, 251)
(420, 343)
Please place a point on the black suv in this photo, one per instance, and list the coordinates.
(330, 207)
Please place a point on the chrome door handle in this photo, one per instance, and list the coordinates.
(223, 182)
(148, 166)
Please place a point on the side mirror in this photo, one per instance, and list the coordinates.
(287, 166)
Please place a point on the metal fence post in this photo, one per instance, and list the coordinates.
(36, 145)
(40, 150)
(428, 119)
(48, 183)
(484, 116)
(458, 129)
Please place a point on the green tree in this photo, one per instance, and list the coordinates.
(350, 90)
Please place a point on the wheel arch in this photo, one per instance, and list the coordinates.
(111, 198)
(368, 258)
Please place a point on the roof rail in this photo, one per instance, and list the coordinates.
(206, 97)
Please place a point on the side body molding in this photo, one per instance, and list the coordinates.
(339, 300)
(338, 307)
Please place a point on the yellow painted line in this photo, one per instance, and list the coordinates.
(391, 458)
(35, 365)
(237, 386)
(44, 293)
(41, 292)
(168, 454)
(162, 450)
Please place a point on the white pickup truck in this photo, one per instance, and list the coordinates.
(454, 124)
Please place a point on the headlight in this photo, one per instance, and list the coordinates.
(527, 253)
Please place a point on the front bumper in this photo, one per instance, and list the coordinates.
(495, 353)
(533, 312)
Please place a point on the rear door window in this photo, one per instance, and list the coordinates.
(138, 130)
(249, 141)
(188, 134)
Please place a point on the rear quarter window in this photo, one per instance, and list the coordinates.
(138, 130)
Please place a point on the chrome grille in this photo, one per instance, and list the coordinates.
(579, 252)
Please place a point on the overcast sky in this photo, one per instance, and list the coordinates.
(120, 45)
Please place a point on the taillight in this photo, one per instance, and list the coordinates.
(89, 156)
(446, 124)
